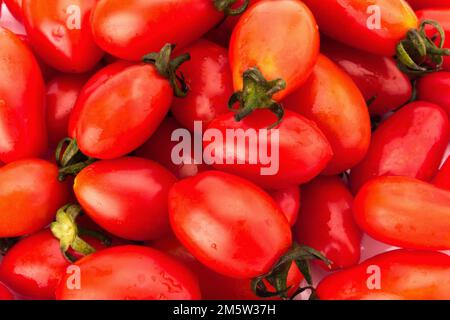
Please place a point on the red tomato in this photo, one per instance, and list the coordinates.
(62, 94)
(131, 273)
(288, 199)
(5, 294)
(304, 151)
(379, 79)
(160, 146)
(442, 16)
(331, 99)
(213, 218)
(127, 197)
(126, 29)
(326, 222)
(411, 143)
(119, 109)
(404, 274)
(396, 19)
(59, 31)
(15, 7)
(259, 41)
(30, 195)
(435, 87)
(404, 212)
(423, 4)
(442, 179)
(210, 281)
(210, 85)
(22, 109)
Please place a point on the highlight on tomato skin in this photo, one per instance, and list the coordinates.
(442, 179)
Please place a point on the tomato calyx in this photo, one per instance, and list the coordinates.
(418, 54)
(70, 159)
(66, 230)
(257, 94)
(226, 6)
(277, 277)
(167, 68)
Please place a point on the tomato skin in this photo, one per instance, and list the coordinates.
(377, 77)
(119, 109)
(411, 143)
(210, 281)
(34, 266)
(159, 148)
(30, 195)
(5, 294)
(442, 179)
(442, 16)
(288, 199)
(210, 85)
(131, 273)
(127, 29)
(331, 99)
(304, 151)
(424, 4)
(326, 222)
(15, 7)
(291, 60)
(428, 275)
(22, 120)
(63, 46)
(435, 88)
(213, 218)
(354, 14)
(404, 212)
(136, 210)
(61, 97)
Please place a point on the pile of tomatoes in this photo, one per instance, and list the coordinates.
(92, 205)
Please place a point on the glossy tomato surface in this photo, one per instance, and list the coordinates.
(130, 273)
(442, 179)
(291, 60)
(5, 294)
(404, 212)
(289, 201)
(213, 217)
(126, 196)
(30, 195)
(331, 99)
(435, 88)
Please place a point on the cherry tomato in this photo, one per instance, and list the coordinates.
(127, 197)
(30, 195)
(331, 99)
(210, 281)
(210, 85)
(442, 16)
(5, 294)
(288, 199)
(259, 41)
(131, 273)
(160, 146)
(411, 143)
(127, 29)
(213, 218)
(435, 87)
(304, 151)
(326, 222)
(382, 84)
(423, 4)
(15, 7)
(442, 179)
(62, 94)
(119, 109)
(22, 120)
(59, 31)
(404, 275)
(395, 16)
(404, 212)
